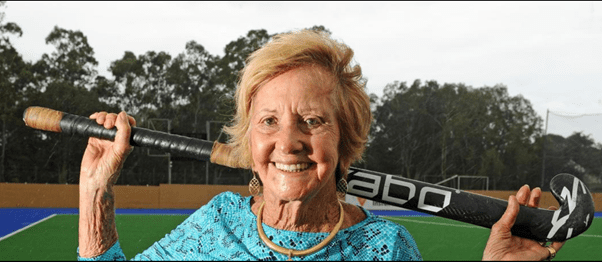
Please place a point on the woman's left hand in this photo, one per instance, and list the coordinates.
(502, 245)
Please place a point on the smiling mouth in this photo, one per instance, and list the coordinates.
(293, 167)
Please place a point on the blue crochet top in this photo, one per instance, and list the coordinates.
(226, 229)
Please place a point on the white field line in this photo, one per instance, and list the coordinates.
(467, 226)
(49, 217)
(434, 223)
(28, 226)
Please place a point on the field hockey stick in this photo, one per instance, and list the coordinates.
(574, 216)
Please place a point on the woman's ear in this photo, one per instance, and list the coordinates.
(342, 168)
(337, 173)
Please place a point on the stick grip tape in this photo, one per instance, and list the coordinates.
(55, 121)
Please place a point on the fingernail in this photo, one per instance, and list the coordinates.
(527, 186)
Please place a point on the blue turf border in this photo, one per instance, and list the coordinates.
(13, 219)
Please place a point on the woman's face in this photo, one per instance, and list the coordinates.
(294, 135)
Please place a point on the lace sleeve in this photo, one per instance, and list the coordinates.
(113, 254)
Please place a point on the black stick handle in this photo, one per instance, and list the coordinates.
(56, 121)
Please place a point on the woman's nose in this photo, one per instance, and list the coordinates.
(290, 139)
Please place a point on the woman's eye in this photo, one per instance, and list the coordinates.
(269, 121)
(311, 122)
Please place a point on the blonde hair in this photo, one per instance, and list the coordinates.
(293, 50)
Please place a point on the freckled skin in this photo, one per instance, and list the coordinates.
(100, 169)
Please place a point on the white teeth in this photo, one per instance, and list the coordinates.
(293, 167)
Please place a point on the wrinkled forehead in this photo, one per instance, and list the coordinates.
(315, 76)
(320, 74)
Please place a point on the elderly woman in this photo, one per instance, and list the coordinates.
(302, 119)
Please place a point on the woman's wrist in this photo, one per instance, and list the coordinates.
(97, 229)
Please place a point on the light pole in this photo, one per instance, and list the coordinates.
(543, 148)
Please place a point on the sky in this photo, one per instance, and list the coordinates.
(548, 52)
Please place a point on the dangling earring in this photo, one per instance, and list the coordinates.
(342, 188)
(254, 186)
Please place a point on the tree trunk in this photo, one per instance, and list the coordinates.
(64, 167)
(2, 156)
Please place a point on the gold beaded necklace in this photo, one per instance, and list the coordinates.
(290, 252)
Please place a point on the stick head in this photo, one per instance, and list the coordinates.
(576, 211)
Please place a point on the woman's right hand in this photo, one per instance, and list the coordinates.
(100, 168)
(103, 159)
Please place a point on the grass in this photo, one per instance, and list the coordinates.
(444, 239)
(437, 238)
(56, 238)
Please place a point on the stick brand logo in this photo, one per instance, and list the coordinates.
(571, 199)
(370, 190)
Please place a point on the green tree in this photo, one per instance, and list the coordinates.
(498, 137)
(63, 81)
(190, 89)
(194, 74)
(142, 89)
(14, 74)
(182, 90)
(235, 55)
(577, 155)
(430, 132)
(144, 82)
(73, 60)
